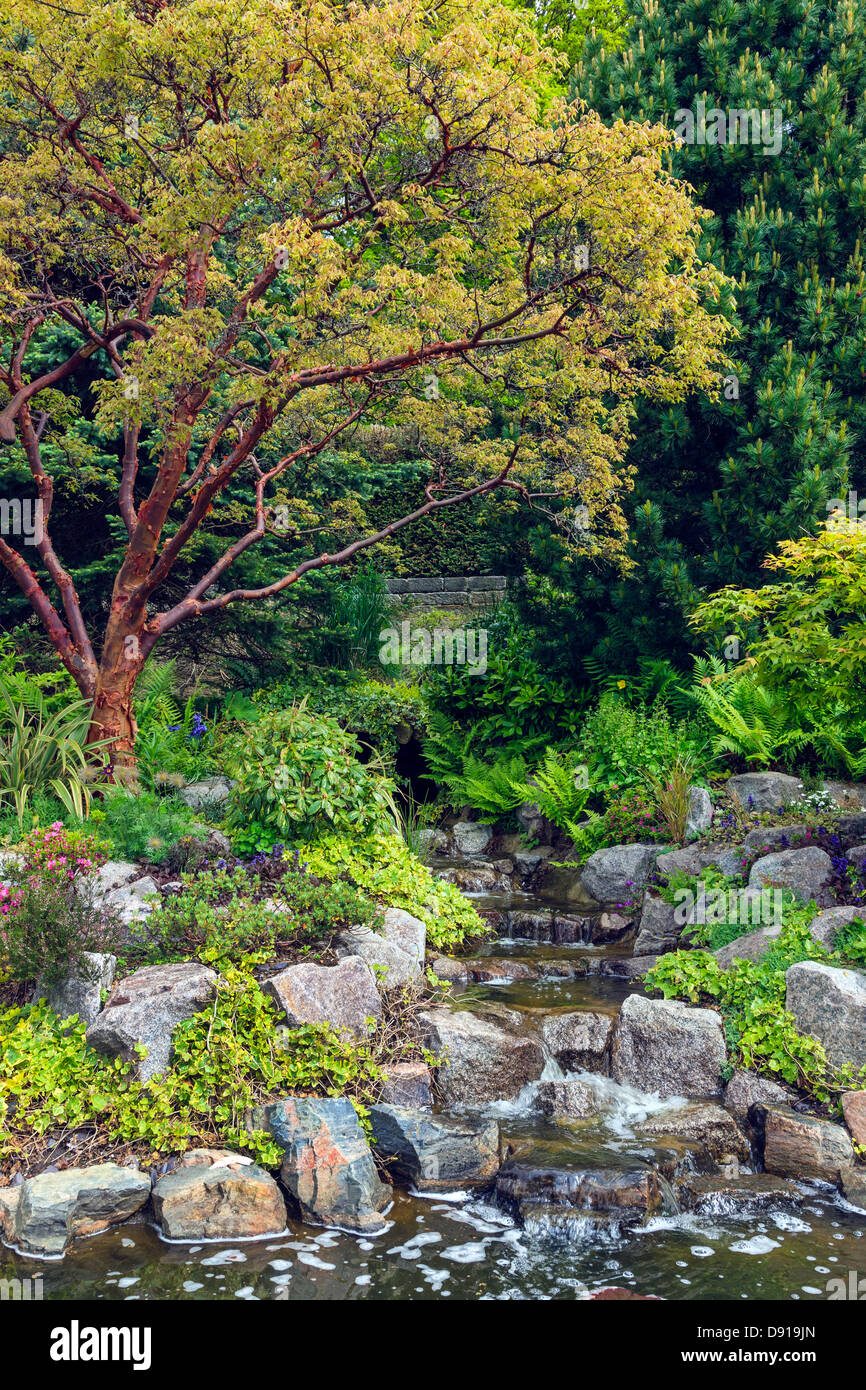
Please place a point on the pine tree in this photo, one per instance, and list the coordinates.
(721, 482)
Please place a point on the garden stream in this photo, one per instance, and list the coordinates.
(458, 1245)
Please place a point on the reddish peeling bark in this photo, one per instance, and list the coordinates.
(113, 716)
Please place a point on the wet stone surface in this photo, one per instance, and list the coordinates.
(597, 1188)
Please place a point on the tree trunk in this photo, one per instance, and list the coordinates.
(113, 717)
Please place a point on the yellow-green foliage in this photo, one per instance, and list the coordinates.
(761, 1033)
(387, 869)
(226, 1060)
(255, 175)
(810, 647)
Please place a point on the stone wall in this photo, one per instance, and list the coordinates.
(448, 591)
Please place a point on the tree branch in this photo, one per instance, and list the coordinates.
(192, 606)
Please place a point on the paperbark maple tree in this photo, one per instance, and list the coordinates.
(272, 221)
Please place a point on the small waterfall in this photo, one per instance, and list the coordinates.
(623, 1106)
(523, 1102)
(671, 1205)
(552, 1070)
(547, 1222)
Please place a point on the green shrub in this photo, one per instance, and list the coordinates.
(142, 825)
(53, 688)
(761, 1033)
(386, 869)
(48, 930)
(623, 746)
(49, 918)
(297, 771)
(806, 656)
(515, 707)
(226, 1060)
(41, 809)
(752, 721)
(559, 787)
(629, 816)
(849, 941)
(221, 915)
(174, 743)
(378, 714)
(671, 795)
(359, 612)
(491, 788)
(41, 750)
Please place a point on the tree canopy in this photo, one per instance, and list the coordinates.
(271, 222)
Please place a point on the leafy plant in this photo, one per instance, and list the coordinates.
(39, 750)
(671, 793)
(514, 708)
(762, 1034)
(805, 673)
(49, 919)
(629, 816)
(173, 743)
(559, 787)
(296, 771)
(359, 612)
(229, 914)
(386, 870)
(491, 788)
(753, 722)
(849, 942)
(59, 855)
(227, 1060)
(413, 818)
(623, 745)
(142, 825)
(51, 690)
(379, 714)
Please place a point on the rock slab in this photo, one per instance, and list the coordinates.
(344, 996)
(565, 1100)
(802, 1146)
(745, 1089)
(81, 994)
(328, 1168)
(579, 1041)
(223, 1200)
(53, 1208)
(397, 951)
(471, 838)
(145, 1008)
(480, 1061)
(764, 791)
(708, 1126)
(807, 872)
(660, 928)
(407, 1084)
(619, 873)
(663, 1046)
(434, 1153)
(830, 1004)
(209, 793)
(854, 1110)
